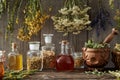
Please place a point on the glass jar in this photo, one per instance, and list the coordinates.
(15, 59)
(2, 60)
(34, 57)
(65, 61)
(78, 60)
(48, 51)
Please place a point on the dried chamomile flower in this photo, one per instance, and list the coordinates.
(72, 20)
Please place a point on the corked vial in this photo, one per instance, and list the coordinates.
(64, 60)
(15, 59)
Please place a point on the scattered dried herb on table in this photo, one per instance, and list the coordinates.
(95, 72)
(115, 73)
(11, 75)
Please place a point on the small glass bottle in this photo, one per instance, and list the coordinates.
(65, 61)
(48, 51)
(34, 57)
(15, 59)
(2, 60)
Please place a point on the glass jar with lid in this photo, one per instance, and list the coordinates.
(34, 57)
(48, 51)
(78, 60)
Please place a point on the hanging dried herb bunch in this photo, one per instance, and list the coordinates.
(33, 20)
(101, 19)
(11, 8)
(117, 12)
(72, 18)
(2, 6)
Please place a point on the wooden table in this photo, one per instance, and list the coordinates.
(74, 75)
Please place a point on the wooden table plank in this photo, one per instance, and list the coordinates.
(75, 75)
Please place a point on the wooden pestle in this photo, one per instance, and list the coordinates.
(111, 35)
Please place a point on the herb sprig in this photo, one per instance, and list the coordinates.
(12, 75)
(92, 44)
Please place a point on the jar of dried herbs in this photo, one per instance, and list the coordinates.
(48, 51)
(34, 57)
(78, 60)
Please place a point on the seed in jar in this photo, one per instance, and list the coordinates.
(34, 63)
(78, 62)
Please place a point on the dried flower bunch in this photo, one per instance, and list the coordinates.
(117, 12)
(72, 18)
(117, 18)
(11, 11)
(101, 18)
(116, 74)
(117, 47)
(34, 17)
(2, 6)
(34, 20)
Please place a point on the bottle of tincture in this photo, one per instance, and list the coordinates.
(65, 61)
(15, 59)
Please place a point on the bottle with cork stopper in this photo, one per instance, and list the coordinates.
(15, 59)
(65, 61)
